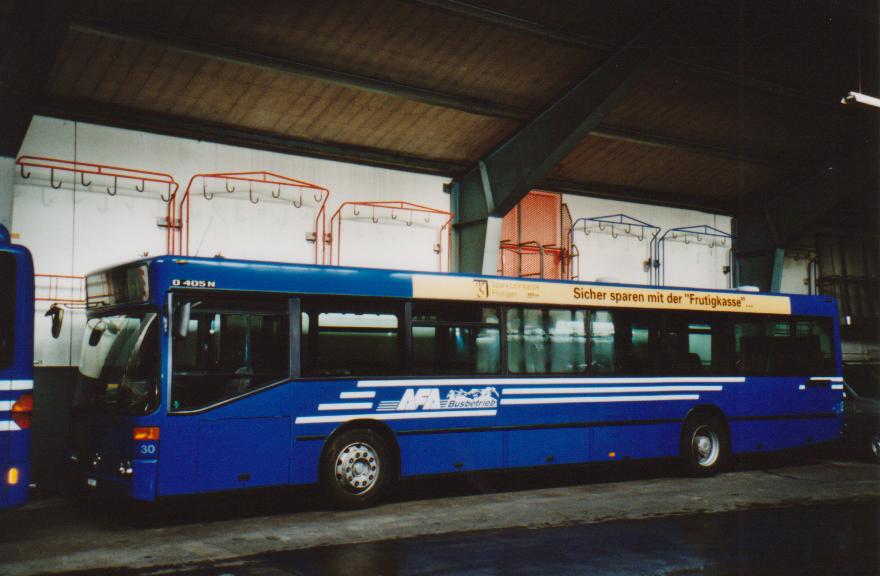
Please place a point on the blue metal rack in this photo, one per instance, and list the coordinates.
(697, 233)
(615, 225)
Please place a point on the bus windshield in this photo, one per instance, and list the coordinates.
(119, 365)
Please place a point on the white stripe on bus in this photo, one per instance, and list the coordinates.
(837, 386)
(828, 378)
(6, 405)
(540, 381)
(598, 399)
(353, 395)
(396, 416)
(22, 385)
(8, 426)
(610, 389)
(346, 406)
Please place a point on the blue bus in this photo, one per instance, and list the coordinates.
(16, 369)
(200, 375)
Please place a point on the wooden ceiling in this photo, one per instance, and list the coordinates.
(746, 99)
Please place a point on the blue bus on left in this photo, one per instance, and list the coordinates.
(16, 369)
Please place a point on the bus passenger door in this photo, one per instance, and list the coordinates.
(229, 406)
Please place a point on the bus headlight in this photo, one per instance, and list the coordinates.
(125, 468)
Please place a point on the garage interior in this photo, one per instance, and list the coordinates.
(527, 124)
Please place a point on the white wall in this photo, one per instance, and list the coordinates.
(74, 230)
(695, 264)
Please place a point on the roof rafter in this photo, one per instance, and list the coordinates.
(252, 59)
(172, 125)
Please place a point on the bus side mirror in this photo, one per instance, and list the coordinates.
(57, 314)
(181, 320)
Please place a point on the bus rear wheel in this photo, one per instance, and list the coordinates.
(704, 445)
(356, 469)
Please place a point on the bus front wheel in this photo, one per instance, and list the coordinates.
(704, 445)
(356, 468)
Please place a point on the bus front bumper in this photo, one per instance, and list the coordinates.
(135, 479)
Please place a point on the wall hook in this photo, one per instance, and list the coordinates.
(251, 195)
(409, 222)
(276, 193)
(373, 217)
(613, 235)
(82, 179)
(428, 219)
(162, 196)
(143, 185)
(319, 197)
(295, 205)
(628, 228)
(115, 182)
(228, 189)
(356, 211)
(642, 235)
(52, 179)
(601, 227)
(723, 241)
(23, 175)
(204, 190)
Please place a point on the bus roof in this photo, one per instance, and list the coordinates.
(195, 273)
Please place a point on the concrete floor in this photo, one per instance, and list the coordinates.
(235, 534)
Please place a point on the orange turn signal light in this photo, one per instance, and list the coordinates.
(12, 477)
(147, 433)
(25, 403)
(22, 410)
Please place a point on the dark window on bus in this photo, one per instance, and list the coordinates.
(7, 308)
(230, 350)
(784, 346)
(455, 339)
(695, 344)
(342, 338)
(637, 342)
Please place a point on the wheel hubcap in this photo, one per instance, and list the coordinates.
(357, 468)
(706, 446)
(875, 446)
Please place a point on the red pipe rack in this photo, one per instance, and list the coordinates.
(336, 238)
(104, 170)
(52, 284)
(181, 247)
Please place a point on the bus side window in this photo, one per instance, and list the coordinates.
(782, 347)
(637, 342)
(342, 338)
(226, 354)
(455, 339)
(602, 357)
(568, 338)
(527, 352)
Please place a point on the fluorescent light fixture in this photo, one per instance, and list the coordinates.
(856, 97)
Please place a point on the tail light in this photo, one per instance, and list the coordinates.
(22, 410)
